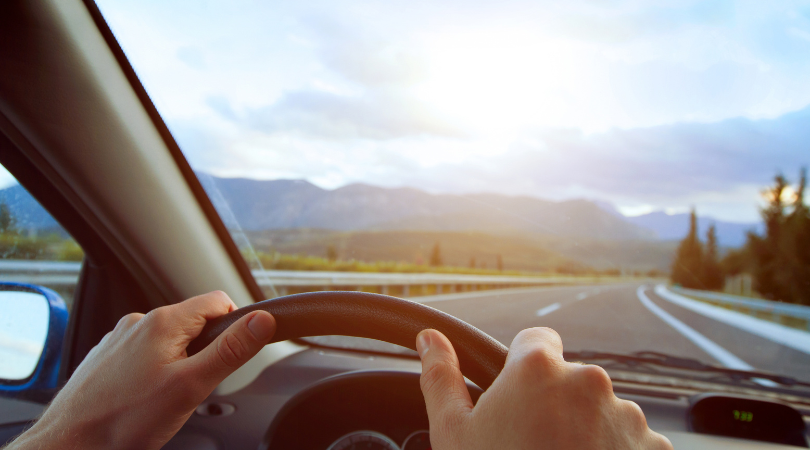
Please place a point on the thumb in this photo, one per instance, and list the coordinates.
(443, 386)
(234, 347)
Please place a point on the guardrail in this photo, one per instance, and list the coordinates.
(796, 316)
(56, 273)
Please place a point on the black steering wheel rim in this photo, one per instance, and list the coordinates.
(373, 316)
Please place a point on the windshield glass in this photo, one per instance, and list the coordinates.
(627, 173)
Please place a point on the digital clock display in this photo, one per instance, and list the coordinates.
(743, 416)
(747, 419)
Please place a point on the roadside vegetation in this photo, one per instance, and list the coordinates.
(778, 262)
(15, 243)
(281, 261)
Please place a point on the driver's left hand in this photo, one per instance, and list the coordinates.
(138, 386)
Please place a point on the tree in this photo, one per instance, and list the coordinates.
(331, 253)
(780, 260)
(799, 226)
(712, 273)
(6, 218)
(768, 260)
(436, 256)
(500, 263)
(687, 267)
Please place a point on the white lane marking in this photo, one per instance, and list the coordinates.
(789, 337)
(548, 309)
(717, 352)
(582, 296)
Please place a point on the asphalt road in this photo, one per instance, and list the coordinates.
(613, 318)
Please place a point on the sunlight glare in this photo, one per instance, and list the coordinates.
(500, 81)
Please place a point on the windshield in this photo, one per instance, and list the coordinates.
(627, 173)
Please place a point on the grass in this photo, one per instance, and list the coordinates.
(281, 261)
(51, 247)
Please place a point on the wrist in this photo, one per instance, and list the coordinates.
(58, 434)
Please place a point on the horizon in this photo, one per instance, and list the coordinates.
(596, 202)
(7, 181)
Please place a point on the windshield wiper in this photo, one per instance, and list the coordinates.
(647, 358)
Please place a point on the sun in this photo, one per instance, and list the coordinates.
(497, 81)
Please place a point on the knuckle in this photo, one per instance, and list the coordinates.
(541, 334)
(538, 360)
(660, 441)
(633, 414)
(158, 318)
(436, 376)
(596, 380)
(220, 296)
(231, 351)
(129, 320)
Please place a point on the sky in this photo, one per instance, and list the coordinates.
(647, 105)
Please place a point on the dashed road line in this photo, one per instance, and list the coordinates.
(548, 309)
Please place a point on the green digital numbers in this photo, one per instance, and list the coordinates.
(743, 416)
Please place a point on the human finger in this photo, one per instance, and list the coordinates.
(442, 383)
(539, 341)
(233, 348)
(192, 314)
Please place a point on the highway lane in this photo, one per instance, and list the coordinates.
(755, 350)
(612, 318)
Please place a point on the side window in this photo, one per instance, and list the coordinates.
(34, 248)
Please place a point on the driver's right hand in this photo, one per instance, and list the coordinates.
(538, 401)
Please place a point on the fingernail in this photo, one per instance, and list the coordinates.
(423, 343)
(261, 326)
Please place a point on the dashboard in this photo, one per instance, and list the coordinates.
(328, 399)
(365, 409)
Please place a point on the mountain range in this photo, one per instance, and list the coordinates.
(256, 205)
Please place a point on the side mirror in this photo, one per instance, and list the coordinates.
(33, 320)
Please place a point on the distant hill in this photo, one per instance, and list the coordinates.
(296, 204)
(674, 227)
(287, 204)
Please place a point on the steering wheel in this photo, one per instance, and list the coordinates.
(373, 316)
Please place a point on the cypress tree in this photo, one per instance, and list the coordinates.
(687, 268)
(712, 273)
(768, 260)
(795, 248)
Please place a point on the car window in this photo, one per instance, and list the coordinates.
(34, 248)
(627, 173)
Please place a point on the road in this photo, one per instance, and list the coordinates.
(614, 318)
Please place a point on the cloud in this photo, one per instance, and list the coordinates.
(334, 92)
(720, 167)
(367, 57)
(376, 114)
(370, 99)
